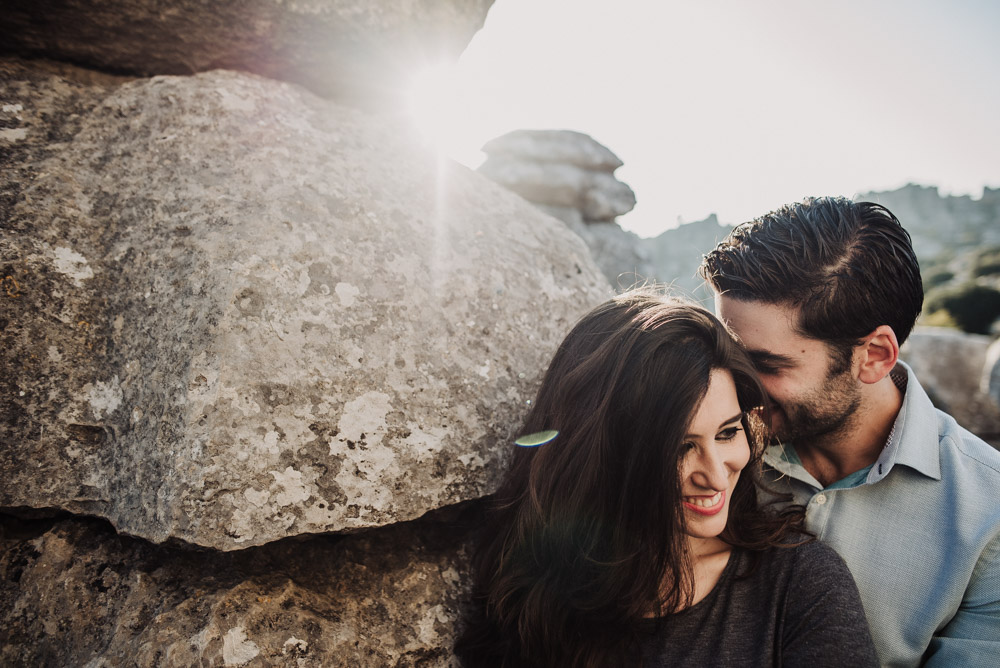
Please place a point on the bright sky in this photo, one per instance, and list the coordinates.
(737, 107)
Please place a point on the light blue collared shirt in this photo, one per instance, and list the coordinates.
(920, 533)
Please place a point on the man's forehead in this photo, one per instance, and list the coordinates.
(757, 315)
(769, 332)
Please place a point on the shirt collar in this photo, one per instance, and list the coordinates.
(913, 441)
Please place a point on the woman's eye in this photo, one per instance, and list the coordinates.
(729, 433)
(686, 446)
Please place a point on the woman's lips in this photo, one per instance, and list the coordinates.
(706, 505)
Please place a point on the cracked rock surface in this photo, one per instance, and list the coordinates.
(74, 593)
(235, 312)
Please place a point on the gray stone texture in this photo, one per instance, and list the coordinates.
(598, 196)
(559, 168)
(354, 51)
(617, 252)
(74, 593)
(570, 176)
(989, 383)
(950, 365)
(557, 146)
(235, 312)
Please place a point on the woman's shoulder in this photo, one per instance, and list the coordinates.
(808, 559)
(804, 553)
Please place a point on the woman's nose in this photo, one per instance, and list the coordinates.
(711, 471)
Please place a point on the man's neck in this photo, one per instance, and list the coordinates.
(859, 442)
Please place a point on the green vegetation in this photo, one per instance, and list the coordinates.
(936, 276)
(972, 307)
(986, 262)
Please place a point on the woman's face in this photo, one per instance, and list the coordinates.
(715, 451)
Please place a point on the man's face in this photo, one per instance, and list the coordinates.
(808, 402)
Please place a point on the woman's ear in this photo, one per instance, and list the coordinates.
(877, 354)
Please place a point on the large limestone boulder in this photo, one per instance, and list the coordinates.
(949, 365)
(235, 312)
(351, 50)
(76, 594)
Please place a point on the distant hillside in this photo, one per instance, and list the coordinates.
(942, 224)
(945, 230)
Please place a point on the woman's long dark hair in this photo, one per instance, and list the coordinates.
(585, 536)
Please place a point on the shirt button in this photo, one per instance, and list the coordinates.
(820, 499)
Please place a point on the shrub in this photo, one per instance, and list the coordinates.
(973, 307)
(936, 276)
(986, 262)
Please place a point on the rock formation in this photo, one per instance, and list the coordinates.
(348, 50)
(278, 342)
(942, 223)
(950, 365)
(74, 593)
(571, 177)
(236, 314)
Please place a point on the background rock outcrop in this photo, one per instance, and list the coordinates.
(951, 366)
(350, 50)
(570, 176)
(245, 313)
(941, 224)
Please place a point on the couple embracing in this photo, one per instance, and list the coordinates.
(772, 489)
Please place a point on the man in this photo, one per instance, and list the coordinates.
(822, 294)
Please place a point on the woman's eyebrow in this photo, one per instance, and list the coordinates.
(735, 418)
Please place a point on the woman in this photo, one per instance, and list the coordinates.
(634, 536)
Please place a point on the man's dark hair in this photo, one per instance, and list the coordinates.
(848, 266)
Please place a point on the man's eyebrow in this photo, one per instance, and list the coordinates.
(768, 358)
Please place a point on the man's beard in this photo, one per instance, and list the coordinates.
(820, 413)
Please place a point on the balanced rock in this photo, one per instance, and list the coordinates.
(559, 168)
(556, 146)
(351, 50)
(235, 312)
(76, 594)
(949, 365)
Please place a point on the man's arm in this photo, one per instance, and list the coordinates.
(972, 637)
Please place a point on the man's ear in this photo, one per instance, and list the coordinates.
(877, 354)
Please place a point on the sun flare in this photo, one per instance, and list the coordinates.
(434, 103)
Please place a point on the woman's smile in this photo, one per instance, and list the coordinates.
(706, 505)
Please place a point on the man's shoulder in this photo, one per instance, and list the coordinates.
(935, 443)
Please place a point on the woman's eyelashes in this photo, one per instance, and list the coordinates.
(724, 436)
(728, 434)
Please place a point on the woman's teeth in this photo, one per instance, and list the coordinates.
(704, 501)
